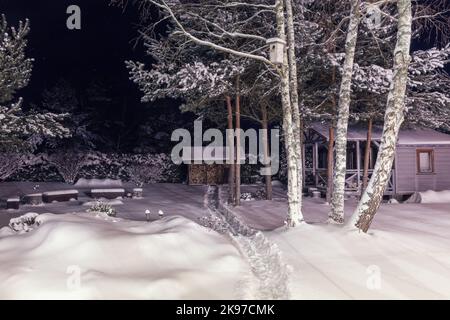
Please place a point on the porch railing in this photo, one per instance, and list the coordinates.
(318, 178)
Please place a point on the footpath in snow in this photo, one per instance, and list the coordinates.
(405, 255)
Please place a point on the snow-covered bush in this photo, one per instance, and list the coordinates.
(25, 223)
(138, 168)
(38, 169)
(10, 162)
(151, 169)
(102, 207)
(247, 196)
(68, 164)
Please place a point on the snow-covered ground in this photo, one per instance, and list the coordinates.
(172, 199)
(406, 254)
(81, 256)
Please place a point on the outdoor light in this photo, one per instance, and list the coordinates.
(160, 213)
(147, 215)
(277, 47)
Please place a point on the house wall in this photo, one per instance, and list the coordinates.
(407, 178)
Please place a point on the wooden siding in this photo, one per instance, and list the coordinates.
(408, 178)
(205, 174)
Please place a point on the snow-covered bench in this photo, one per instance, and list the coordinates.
(13, 203)
(107, 193)
(98, 183)
(60, 196)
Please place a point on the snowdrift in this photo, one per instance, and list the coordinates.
(430, 196)
(81, 256)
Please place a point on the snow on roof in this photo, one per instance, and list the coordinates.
(419, 136)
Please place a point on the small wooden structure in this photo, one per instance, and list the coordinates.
(60, 196)
(13, 204)
(422, 160)
(206, 165)
(107, 193)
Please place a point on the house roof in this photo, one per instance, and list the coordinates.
(419, 136)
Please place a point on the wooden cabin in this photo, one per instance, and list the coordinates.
(422, 160)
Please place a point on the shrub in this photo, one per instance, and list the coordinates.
(25, 223)
(138, 168)
(102, 207)
(68, 164)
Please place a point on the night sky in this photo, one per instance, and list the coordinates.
(98, 50)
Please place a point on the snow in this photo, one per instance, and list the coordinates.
(60, 192)
(93, 191)
(118, 259)
(89, 183)
(173, 199)
(431, 196)
(419, 136)
(114, 202)
(406, 254)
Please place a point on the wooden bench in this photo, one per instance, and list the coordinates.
(107, 193)
(13, 204)
(60, 196)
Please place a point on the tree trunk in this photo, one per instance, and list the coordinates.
(337, 202)
(330, 155)
(294, 213)
(293, 84)
(231, 160)
(367, 156)
(237, 197)
(267, 162)
(393, 119)
(330, 161)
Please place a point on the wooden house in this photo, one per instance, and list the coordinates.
(422, 160)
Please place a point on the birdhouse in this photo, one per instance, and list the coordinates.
(277, 47)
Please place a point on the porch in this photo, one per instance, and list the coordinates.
(315, 160)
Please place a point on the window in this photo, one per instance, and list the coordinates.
(425, 161)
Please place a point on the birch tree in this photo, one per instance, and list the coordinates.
(241, 30)
(337, 202)
(394, 116)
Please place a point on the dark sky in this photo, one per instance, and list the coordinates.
(98, 50)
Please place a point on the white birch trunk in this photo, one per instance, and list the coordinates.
(294, 217)
(337, 201)
(393, 119)
(297, 128)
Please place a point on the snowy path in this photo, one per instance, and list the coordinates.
(270, 273)
(405, 255)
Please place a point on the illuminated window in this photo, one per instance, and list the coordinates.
(425, 161)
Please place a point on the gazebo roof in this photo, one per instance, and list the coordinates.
(419, 136)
